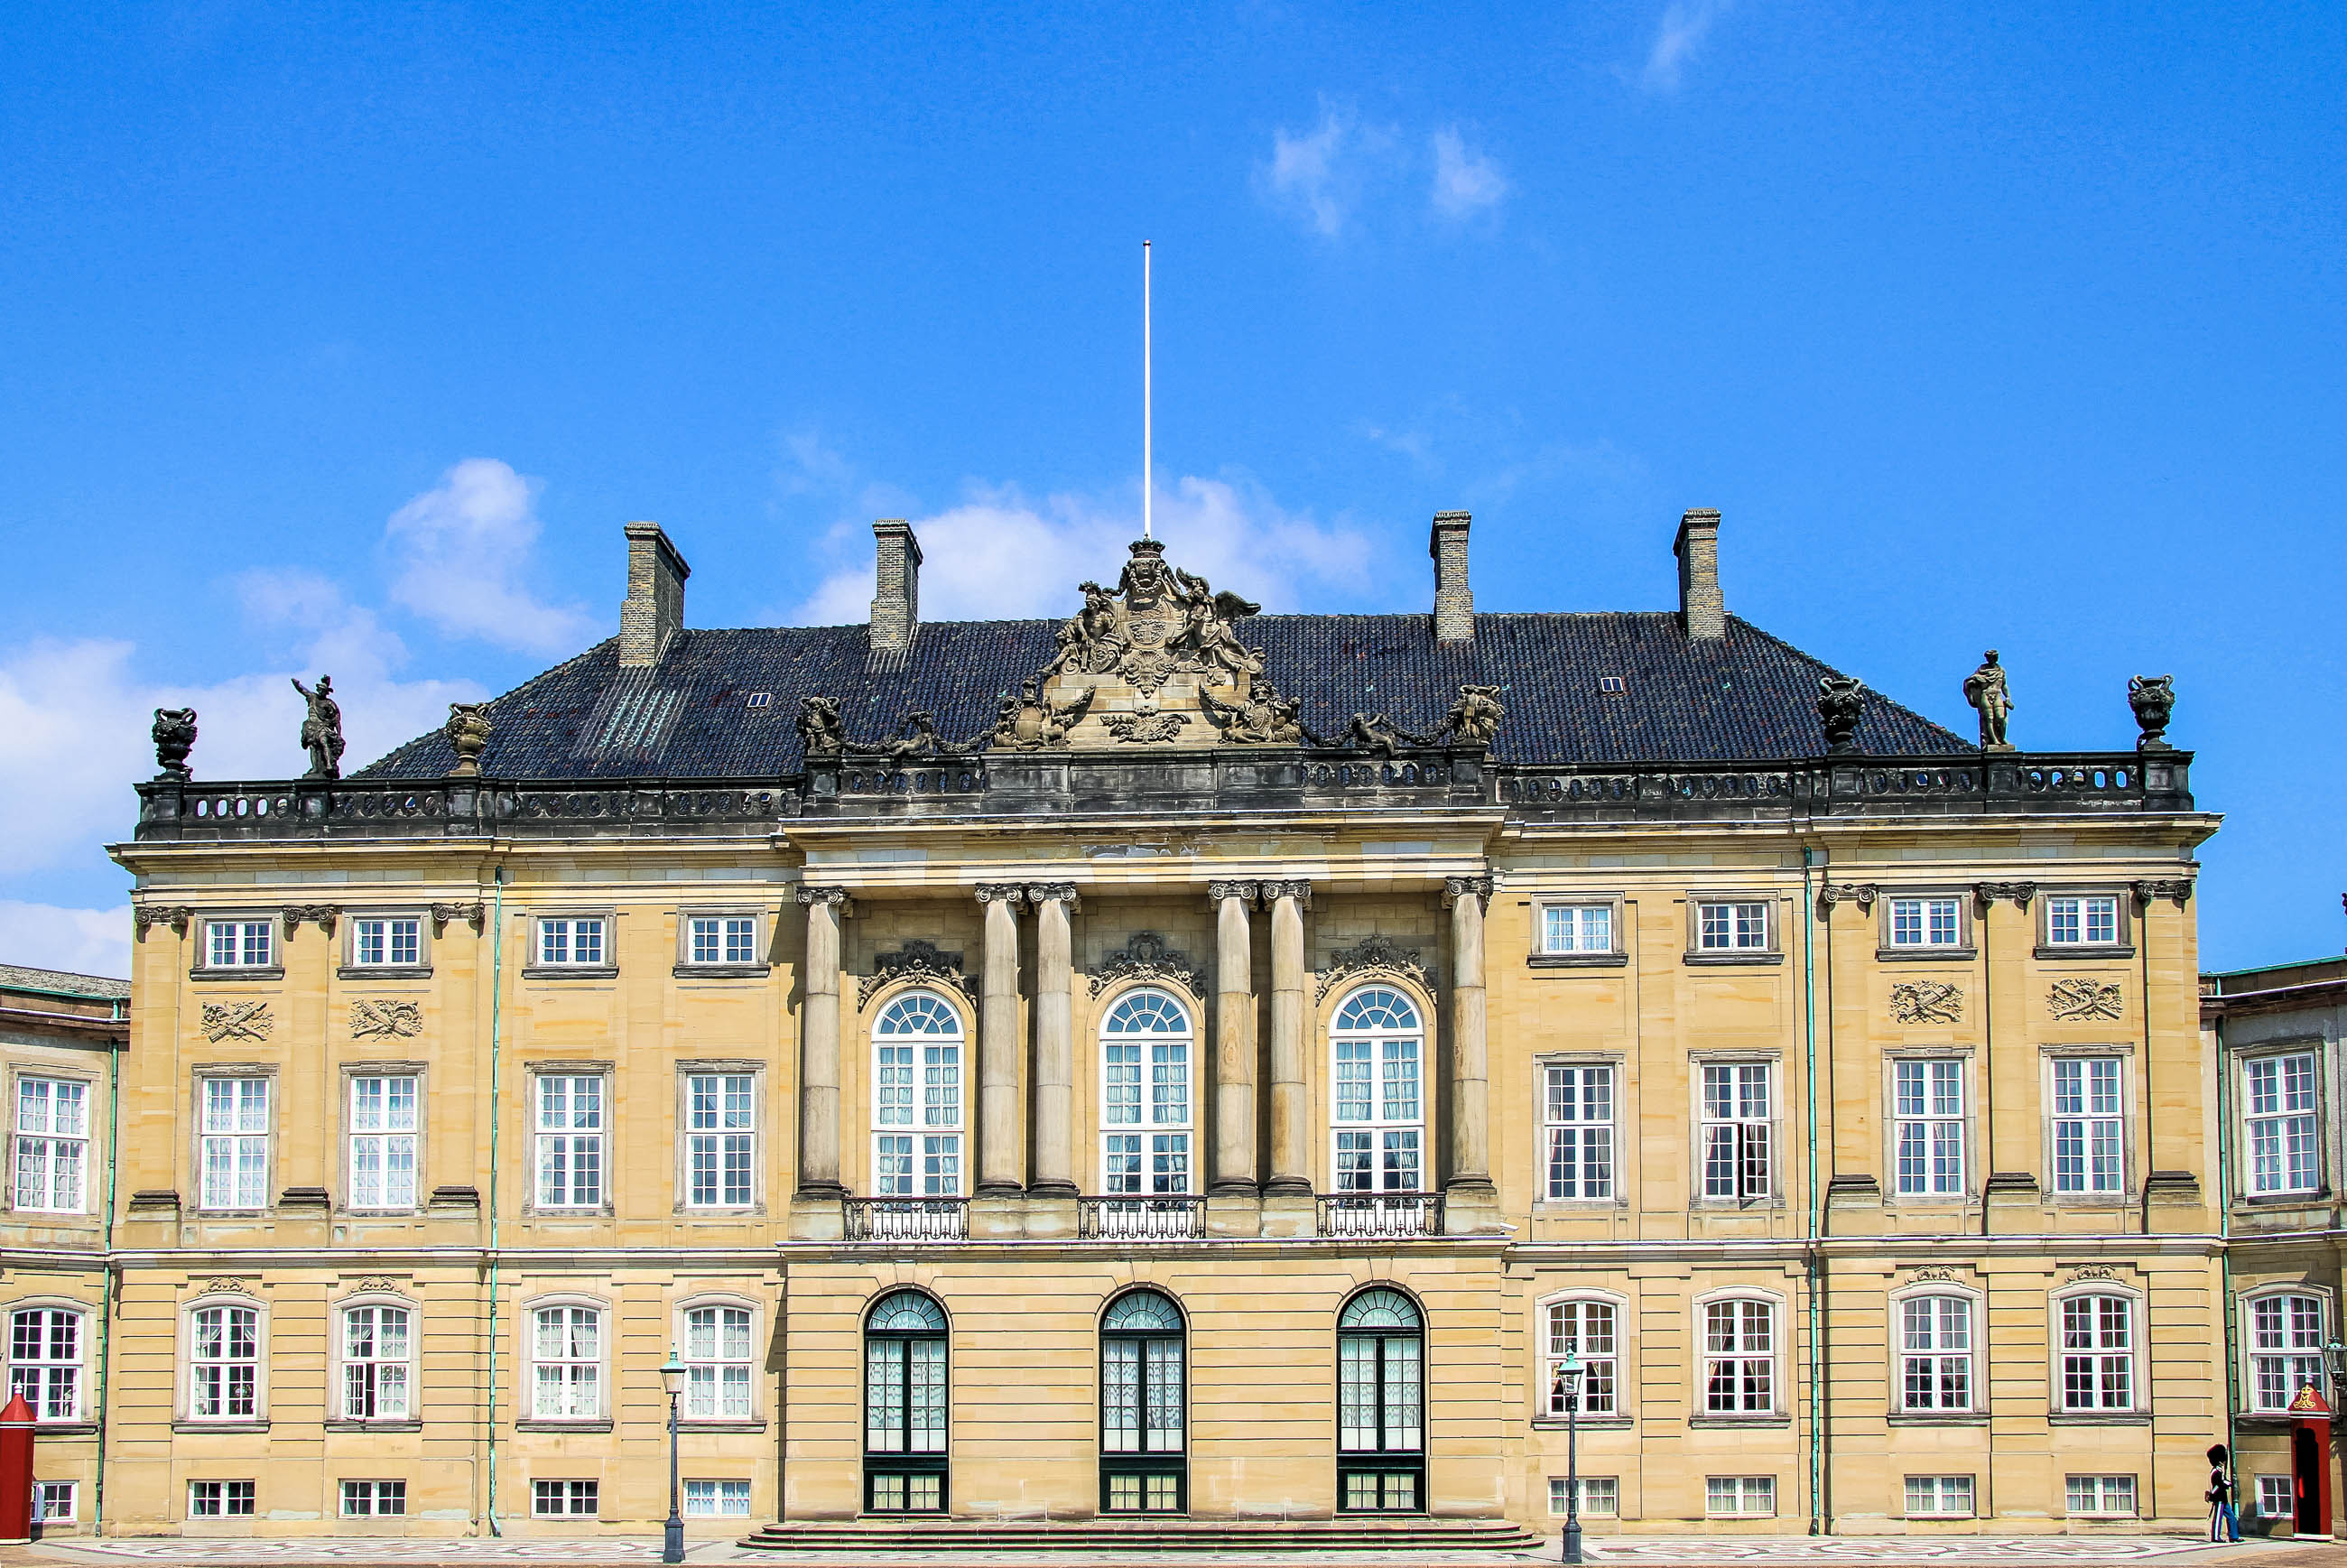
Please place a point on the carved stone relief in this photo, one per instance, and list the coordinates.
(443, 913)
(1378, 954)
(236, 1020)
(2083, 1000)
(321, 916)
(1145, 956)
(175, 916)
(916, 960)
(1927, 1001)
(386, 1020)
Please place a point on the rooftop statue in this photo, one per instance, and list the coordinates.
(321, 729)
(2153, 698)
(1159, 621)
(1985, 689)
(174, 737)
(1840, 699)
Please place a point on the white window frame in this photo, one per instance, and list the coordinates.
(2067, 921)
(240, 953)
(2104, 1494)
(1563, 1324)
(2267, 1486)
(1160, 1138)
(1579, 1151)
(1938, 1492)
(45, 1367)
(1395, 1128)
(1926, 910)
(716, 1130)
(358, 934)
(375, 1130)
(2273, 1322)
(920, 1104)
(56, 1158)
(556, 942)
(736, 939)
(377, 1493)
(223, 1498)
(1576, 937)
(404, 1366)
(1600, 1496)
(1924, 1347)
(563, 1142)
(2094, 1355)
(1737, 1133)
(1742, 1491)
(1925, 1126)
(564, 1411)
(1737, 1354)
(233, 1140)
(707, 1362)
(2090, 1118)
(192, 1330)
(56, 1502)
(1719, 926)
(567, 1498)
(2284, 1116)
(717, 1492)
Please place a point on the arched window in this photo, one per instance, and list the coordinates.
(377, 1342)
(905, 1405)
(1586, 1330)
(1379, 1046)
(1935, 1353)
(917, 1098)
(2285, 1348)
(1144, 1403)
(1739, 1356)
(1146, 1100)
(2097, 1340)
(1380, 1403)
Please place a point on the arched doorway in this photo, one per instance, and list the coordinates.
(905, 1405)
(1380, 1404)
(1145, 1406)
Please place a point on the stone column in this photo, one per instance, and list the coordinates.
(1234, 1119)
(819, 1050)
(1469, 1201)
(998, 1153)
(1291, 1101)
(1055, 1057)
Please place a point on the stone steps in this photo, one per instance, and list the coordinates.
(1233, 1536)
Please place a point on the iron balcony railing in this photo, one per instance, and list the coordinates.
(1159, 1217)
(907, 1219)
(1381, 1217)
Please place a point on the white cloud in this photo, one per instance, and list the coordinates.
(999, 555)
(79, 941)
(1466, 182)
(460, 552)
(1306, 172)
(1684, 24)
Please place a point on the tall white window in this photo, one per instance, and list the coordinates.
(375, 1363)
(1935, 1356)
(1731, 927)
(234, 1139)
(1739, 1351)
(387, 942)
(1577, 1132)
(721, 939)
(52, 1143)
(2089, 1121)
(239, 944)
(572, 943)
(2279, 1100)
(917, 1142)
(45, 1361)
(382, 1142)
(1380, 1112)
(1736, 1127)
(721, 1138)
(567, 1351)
(717, 1364)
(2285, 1348)
(1583, 1329)
(1576, 927)
(1145, 1099)
(2081, 922)
(224, 1366)
(1925, 923)
(2097, 1353)
(569, 1141)
(1929, 1112)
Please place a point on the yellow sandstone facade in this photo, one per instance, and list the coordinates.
(1209, 1122)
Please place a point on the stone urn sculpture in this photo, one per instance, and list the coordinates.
(468, 730)
(2153, 698)
(1840, 699)
(174, 737)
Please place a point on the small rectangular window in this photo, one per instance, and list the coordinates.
(1925, 923)
(382, 1142)
(387, 942)
(1929, 1124)
(219, 1499)
(1732, 927)
(2107, 1494)
(1600, 1494)
(573, 943)
(2276, 1496)
(1737, 1128)
(239, 944)
(55, 1503)
(234, 1143)
(52, 1143)
(1576, 927)
(563, 1499)
(717, 1499)
(721, 1138)
(2081, 922)
(374, 1499)
(1577, 1114)
(1739, 1494)
(722, 939)
(2279, 1110)
(569, 1141)
(2088, 1125)
(1939, 1496)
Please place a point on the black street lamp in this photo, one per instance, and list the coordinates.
(1568, 1383)
(673, 1536)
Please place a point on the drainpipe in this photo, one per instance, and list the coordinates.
(2225, 1252)
(1812, 1256)
(496, 1080)
(106, 1300)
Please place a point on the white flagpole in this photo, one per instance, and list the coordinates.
(1147, 475)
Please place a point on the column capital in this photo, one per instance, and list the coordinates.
(1041, 893)
(1987, 893)
(1862, 894)
(812, 895)
(1297, 889)
(1454, 888)
(2179, 890)
(1245, 892)
(1001, 892)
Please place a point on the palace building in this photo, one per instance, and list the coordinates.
(1177, 1070)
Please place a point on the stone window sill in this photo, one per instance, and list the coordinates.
(2098, 1419)
(1586, 1423)
(570, 972)
(688, 1424)
(1938, 1418)
(1729, 959)
(1722, 1419)
(1578, 960)
(1926, 955)
(2066, 950)
(275, 972)
(543, 1426)
(65, 1429)
(723, 971)
(381, 972)
(185, 1425)
(348, 1425)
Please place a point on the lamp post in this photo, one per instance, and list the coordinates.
(672, 1535)
(1568, 1383)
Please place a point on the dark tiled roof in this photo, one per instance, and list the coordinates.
(63, 983)
(1746, 697)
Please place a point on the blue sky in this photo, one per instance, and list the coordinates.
(345, 336)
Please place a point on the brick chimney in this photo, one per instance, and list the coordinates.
(897, 585)
(1702, 612)
(1454, 601)
(653, 611)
